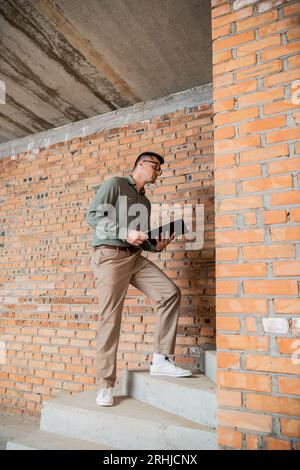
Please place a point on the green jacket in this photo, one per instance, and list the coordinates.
(111, 228)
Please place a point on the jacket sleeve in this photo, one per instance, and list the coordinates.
(100, 214)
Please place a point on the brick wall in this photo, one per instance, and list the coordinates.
(49, 308)
(257, 161)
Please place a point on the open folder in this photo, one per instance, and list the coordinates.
(177, 227)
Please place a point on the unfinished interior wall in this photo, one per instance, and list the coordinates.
(256, 66)
(49, 304)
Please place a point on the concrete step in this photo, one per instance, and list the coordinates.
(210, 364)
(129, 424)
(193, 398)
(41, 440)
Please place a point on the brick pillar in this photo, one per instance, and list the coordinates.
(257, 162)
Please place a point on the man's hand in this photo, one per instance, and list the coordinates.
(136, 238)
(162, 243)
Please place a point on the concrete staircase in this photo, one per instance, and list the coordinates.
(159, 413)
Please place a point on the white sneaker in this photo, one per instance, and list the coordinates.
(105, 397)
(169, 368)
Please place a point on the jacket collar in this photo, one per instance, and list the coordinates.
(133, 183)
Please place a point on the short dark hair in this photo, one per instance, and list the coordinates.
(149, 154)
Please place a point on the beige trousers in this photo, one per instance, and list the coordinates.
(114, 270)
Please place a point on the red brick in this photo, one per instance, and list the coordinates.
(289, 385)
(287, 306)
(246, 421)
(236, 16)
(293, 34)
(281, 51)
(267, 184)
(273, 443)
(277, 26)
(275, 217)
(223, 56)
(268, 251)
(293, 62)
(229, 438)
(255, 21)
(281, 365)
(282, 78)
(279, 107)
(238, 143)
(215, 3)
(292, 10)
(260, 97)
(290, 427)
(260, 70)
(288, 346)
(234, 64)
(230, 253)
(241, 172)
(266, 153)
(229, 360)
(243, 342)
(285, 233)
(227, 220)
(259, 45)
(250, 218)
(235, 90)
(251, 442)
(288, 134)
(244, 381)
(224, 105)
(226, 188)
(228, 323)
(259, 125)
(276, 405)
(226, 287)
(224, 132)
(232, 237)
(286, 268)
(235, 116)
(250, 325)
(221, 10)
(242, 305)
(241, 270)
(233, 41)
(295, 215)
(270, 287)
(229, 398)
(221, 32)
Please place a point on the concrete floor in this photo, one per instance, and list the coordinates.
(12, 427)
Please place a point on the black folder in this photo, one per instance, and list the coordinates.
(177, 226)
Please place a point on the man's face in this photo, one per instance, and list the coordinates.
(151, 168)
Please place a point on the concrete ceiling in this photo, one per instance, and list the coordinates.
(66, 60)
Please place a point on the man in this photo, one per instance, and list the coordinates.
(118, 241)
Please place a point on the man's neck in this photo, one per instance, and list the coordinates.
(139, 183)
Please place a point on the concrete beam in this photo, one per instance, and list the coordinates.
(139, 112)
(55, 15)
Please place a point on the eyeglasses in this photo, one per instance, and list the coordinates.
(157, 166)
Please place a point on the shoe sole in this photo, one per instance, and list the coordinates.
(171, 375)
(104, 404)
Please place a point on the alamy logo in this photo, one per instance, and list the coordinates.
(117, 222)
